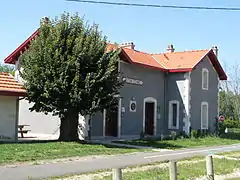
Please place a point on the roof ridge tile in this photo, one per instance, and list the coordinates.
(176, 52)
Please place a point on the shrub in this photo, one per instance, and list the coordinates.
(167, 137)
(182, 135)
(194, 134)
(231, 123)
(228, 124)
(204, 133)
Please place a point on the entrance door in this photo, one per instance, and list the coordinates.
(149, 118)
(111, 126)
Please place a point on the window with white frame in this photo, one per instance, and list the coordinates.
(204, 115)
(173, 115)
(205, 79)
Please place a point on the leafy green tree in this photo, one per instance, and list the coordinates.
(226, 105)
(68, 72)
(6, 68)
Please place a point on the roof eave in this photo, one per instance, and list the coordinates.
(124, 54)
(180, 70)
(13, 57)
(213, 58)
(221, 73)
(13, 93)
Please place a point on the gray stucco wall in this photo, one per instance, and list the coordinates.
(198, 95)
(175, 91)
(155, 82)
(39, 122)
(153, 86)
(132, 122)
(97, 124)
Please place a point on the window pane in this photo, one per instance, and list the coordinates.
(204, 116)
(205, 79)
(174, 114)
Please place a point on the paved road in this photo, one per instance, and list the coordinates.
(23, 172)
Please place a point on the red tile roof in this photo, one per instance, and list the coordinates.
(174, 61)
(180, 60)
(9, 86)
(171, 61)
(146, 59)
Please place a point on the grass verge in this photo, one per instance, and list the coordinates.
(182, 143)
(22, 152)
(233, 154)
(185, 171)
(76, 176)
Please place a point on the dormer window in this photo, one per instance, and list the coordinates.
(205, 79)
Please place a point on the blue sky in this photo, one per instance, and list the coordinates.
(151, 29)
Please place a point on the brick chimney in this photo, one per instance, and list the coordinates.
(129, 45)
(170, 48)
(215, 50)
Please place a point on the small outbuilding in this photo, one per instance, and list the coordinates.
(10, 91)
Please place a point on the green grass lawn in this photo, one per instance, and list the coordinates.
(185, 171)
(182, 143)
(21, 152)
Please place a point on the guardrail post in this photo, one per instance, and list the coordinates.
(173, 170)
(209, 167)
(117, 174)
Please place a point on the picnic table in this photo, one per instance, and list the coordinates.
(23, 131)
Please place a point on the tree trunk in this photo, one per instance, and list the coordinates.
(69, 126)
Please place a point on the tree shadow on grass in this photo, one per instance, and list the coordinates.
(151, 143)
(29, 142)
(113, 146)
(122, 149)
(36, 141)
(141, 143)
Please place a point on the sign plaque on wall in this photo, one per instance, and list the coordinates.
(133, 81)
(133, 106)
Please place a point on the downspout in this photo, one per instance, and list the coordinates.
(119, 105)
(17, 119)
(165, 98)
(218, 101)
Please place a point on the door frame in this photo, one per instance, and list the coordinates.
(171, 113)
(154, 101)
(119, 120)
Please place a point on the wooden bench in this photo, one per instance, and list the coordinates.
(23, 131)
